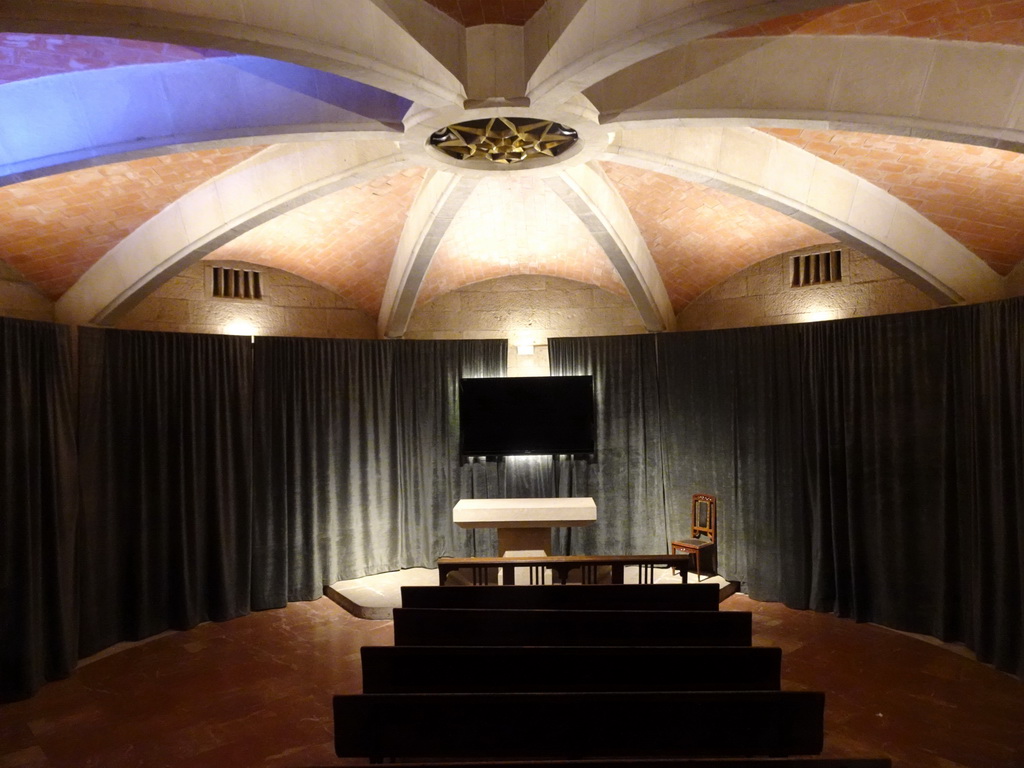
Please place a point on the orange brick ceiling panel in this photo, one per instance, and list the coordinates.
(516, 226)
(471, 13)
(699, 236)
(980, 21)
(24, 56)
(54, 228)
(974, 193)
(345, 241)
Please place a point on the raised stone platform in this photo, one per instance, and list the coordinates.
(374, 597)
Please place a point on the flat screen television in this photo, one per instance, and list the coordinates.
(527, 415)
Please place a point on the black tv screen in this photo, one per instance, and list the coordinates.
(519, 416)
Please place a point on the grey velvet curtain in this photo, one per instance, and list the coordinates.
(38, 506)
(327, 479)
(165, 459)
(625, 475)
(428, 374)
(872, 467)
(356, 450)
(731, 416)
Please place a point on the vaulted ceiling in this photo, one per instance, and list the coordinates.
(138, 138)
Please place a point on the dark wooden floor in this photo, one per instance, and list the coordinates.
(256, 691)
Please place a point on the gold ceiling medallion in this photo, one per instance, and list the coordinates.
(504, 140)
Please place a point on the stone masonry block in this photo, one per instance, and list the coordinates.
(22, 301)
(601, 298)
(728, 313)
(734, 289)
(302, 296)
(861, 269)
(184, 286)
(166, 311)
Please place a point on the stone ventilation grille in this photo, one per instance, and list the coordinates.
(817, 268)
(227, 283)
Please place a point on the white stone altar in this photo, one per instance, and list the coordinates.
(524, 525)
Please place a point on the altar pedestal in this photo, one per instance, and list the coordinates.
(524, 525)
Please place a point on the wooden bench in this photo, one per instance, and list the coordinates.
(508, 726)
(501, 626)
(677, 762)
(498, 669)
(642, 597)
(589, 566)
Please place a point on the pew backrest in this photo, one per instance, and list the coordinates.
(516, 669)
(472, 626)
(578, 725)
(639, 597)
(590, 569)
(679, 762)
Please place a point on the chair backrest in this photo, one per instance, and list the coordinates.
(704, 516)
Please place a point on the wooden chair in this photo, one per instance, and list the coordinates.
(703, 523)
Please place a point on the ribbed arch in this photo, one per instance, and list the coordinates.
(759, 167)
(358, 39)
(951, 90)
(277, 180)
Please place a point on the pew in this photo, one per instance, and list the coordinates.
(476, 626)
(670, 762)
(504, 669)
(509, 726)
(589, 567)
(640, 597)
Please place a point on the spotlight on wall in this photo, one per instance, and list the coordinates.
(525, 348)
(240, 328)
(820, 315)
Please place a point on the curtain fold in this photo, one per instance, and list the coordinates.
(625, 476)
(426, 396)
(357, 464)
(726, 411)
(165, 458)
(985, 514)
(326, 457)
(38, 506)
(914, 469)
(870, 467)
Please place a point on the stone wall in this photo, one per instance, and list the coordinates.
(291, 306)
(527, 310)
(762, 295)
(1015, 282)
(20, 299)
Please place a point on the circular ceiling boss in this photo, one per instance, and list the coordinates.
(503, 140)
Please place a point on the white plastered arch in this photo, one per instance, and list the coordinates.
(953, 90)
(356, 39)
(267, 185)
(772, 172)
(594, 39)
(67, 121)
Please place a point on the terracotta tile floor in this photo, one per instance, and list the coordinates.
(256, 692)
